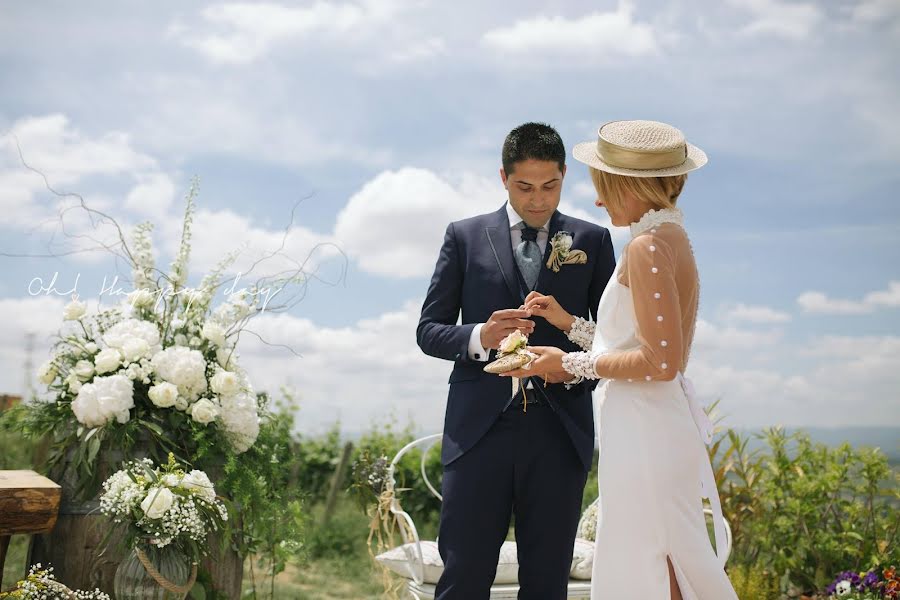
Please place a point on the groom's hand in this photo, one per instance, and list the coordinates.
(549, 308)
(504, 322)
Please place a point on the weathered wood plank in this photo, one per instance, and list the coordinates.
(29, 503)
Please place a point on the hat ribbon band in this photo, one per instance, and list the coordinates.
(626, 158)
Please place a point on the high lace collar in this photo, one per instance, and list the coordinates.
(655, 218)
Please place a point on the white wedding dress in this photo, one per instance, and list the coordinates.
(653, 467)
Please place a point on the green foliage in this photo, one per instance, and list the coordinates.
(804, 511)
(15, 449)
(260, 484)
(753, 583)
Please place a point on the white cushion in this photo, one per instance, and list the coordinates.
(582, 560)
(401, 559)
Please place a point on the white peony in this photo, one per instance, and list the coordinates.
(74, 310)
(184, 367)
(157, 502)
(47, 373)
(204, 411)
(134, 349)
(141, 297)
(84, 369)
(240, 419)
(213, 332)
(123, 331)
(104, 399)
(225, 382)
(164, 394)
(199, 482)
(107, 360)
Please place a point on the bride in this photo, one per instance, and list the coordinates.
(652, 540)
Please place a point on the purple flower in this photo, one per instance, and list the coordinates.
(870, 582)
(850, 576)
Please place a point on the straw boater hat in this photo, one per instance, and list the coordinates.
(640, 149)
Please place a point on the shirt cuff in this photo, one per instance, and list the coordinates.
(476, 350)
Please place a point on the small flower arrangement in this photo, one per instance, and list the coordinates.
(41, 584)
(561, 252)
(168, 506)
(851, 585)
(370, 477)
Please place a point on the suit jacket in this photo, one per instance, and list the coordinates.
(476, 274)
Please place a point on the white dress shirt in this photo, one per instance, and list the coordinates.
(516, 225)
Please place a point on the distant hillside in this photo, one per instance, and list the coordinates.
(885, 438)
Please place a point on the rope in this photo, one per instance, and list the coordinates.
(161, 580)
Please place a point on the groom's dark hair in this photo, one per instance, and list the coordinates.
(535, 141)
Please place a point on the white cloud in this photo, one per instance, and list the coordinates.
(870, 11)
(789, 20)
(359, 373)
(594, 37)
(756, 314)
(395, 224)
(152, 196)
(819, 303)
(247, 31)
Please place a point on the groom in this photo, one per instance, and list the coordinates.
(523, 454)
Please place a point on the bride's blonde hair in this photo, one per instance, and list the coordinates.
(661, 192)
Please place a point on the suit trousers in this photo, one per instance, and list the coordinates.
(525, 466)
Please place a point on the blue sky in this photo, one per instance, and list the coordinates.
(387, 119)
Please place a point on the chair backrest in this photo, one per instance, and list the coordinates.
(424, 444)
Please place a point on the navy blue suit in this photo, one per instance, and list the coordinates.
(498, 460)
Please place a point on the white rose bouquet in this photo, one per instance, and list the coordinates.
(167, 506)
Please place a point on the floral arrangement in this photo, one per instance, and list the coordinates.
(160, 369)
(41, 584)
(561, 252)
(851, 585)
(168, 506)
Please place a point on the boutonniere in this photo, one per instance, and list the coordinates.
(561, 252)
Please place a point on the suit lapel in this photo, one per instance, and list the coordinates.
(500, 241)
(546, 277)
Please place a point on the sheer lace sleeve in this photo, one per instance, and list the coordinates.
(652, 276)
(582, 333)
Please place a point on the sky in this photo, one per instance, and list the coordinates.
(379, 122)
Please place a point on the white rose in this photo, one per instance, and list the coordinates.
(199, 482)
(511, 342)
(135, 349)
(213, 332)
(107, 360)
(73, 383)
(181, 403)
(140, 298)
(74, 310)
(84, 369)
(47, 373)
(171, 480)
(164, 394)
(91, 348)
(224, 382)
(564, 243)
(157, 502)
(225, 357)
(204, 411)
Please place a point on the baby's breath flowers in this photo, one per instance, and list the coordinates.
(41, 584)
(165, 506)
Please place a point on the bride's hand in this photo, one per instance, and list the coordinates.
(548, 363)
(549, 308)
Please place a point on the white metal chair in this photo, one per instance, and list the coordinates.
(417, 588)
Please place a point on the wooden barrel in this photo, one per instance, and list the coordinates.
(73, 547)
